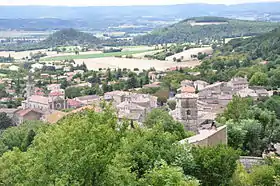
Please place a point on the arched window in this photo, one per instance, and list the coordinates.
(188, 112)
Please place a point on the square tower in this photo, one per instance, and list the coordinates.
(187, 111)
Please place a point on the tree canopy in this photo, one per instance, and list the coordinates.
(91, 148)
(185, 31)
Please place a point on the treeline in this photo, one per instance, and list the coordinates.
(266, 46)
(8, 59)
(184, 32)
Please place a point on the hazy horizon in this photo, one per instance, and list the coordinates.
(122, 2)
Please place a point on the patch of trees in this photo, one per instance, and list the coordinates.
(8, 59)
(94, 149)
(265, 46)
(252, 127)
(183, 32)
(110, 50)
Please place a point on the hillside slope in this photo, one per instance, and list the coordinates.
(65, 37)
(70, 36)
(266, 46)
(205, 29)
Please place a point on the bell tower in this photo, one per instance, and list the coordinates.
(29, 86)
(187, 111)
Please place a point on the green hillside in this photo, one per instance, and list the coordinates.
(65, 37)
(205, 29)
(266, 46)
(68, 37)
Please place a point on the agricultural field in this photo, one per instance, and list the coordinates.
(229, 39)
(94, 55)
(188, 53)
(112, 62)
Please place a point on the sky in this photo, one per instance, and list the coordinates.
(120, 2)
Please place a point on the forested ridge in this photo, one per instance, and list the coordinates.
(64, 37)
(184, 32)
(266, 46)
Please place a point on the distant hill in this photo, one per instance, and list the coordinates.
(205, 28)
(266, 46)
(40, 24)
(68, 37)
(96, 17)
(65, 37)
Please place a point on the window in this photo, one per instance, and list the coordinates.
(188, 112)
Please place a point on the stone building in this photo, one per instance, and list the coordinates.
(44, 104)
(186, 111)
(209, 137)
(238, 83)
(27, 115)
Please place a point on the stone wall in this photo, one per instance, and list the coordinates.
(248, 162)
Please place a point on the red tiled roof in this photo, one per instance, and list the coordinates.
(188, 89)
(39, 99)
(24, 112)
(74, 103)
(39, 93)
(56, 93)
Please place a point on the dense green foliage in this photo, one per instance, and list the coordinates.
(5, 121)
(185, 32)
(265, 46)
(210, 168)
(157, 116)
(95, 149)
(21, 136)
(260, 175)
(251, 128)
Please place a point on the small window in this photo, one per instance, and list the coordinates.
(188, 112)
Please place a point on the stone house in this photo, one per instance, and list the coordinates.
(44, 104)
(131, 111)
(186, 83)
(238, 83)
(53, 87)
(208, 137)
(116, 96)
(200, 84)
(262, 93)
(27, 115)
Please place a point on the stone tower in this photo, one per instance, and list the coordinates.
(187, 111)
(29, 86)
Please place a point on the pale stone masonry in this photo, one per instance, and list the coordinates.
(186, 111)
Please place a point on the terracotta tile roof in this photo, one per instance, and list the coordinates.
(39, 93)
(187, 89)
(39, 99)
(55, 117)
(74, 103)
(24, 112)
(56, 93)
(94, 108)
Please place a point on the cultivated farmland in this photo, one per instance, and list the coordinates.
(112, 62)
